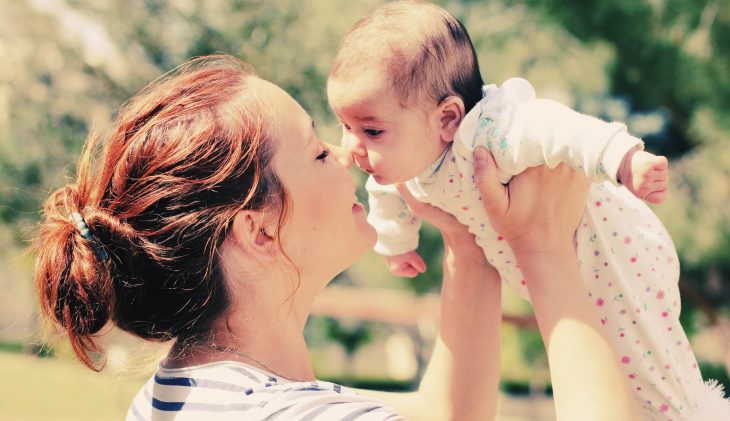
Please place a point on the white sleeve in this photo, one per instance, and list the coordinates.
(523, 131)
(396, 226)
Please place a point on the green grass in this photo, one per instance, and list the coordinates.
(58, 389)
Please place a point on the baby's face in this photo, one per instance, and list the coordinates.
(389, 142)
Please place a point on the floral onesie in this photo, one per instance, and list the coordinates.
(627, 259)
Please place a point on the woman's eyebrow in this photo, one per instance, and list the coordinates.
(311, 135)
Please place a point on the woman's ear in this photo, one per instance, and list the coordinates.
(254, 233)
(450, 113)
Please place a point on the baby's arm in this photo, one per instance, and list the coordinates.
(397, 229)
(522, 132)
(645, 175)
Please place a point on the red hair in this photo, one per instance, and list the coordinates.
(186, 154)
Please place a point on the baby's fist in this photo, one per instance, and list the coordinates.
(645, 175)
(407, 264)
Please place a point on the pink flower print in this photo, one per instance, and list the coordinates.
(632, 376)
(627, 240)
(465, 208)
(665, 314)
(500, 238)
(625, 359)
(523, 282)
(663, 408)
(598, 203)
(599, 302)
(633, 259)
(660, 295)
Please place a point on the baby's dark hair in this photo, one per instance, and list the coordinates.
(426, 52)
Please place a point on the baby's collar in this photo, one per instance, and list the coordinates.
(429, 174)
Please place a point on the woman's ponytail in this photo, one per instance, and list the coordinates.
(71, 273)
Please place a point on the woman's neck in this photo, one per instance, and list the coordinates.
(266, 332)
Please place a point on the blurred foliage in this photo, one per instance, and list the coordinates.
(351, 334)
(662, 66)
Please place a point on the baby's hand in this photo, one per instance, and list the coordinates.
(407, 264)
(645, 175)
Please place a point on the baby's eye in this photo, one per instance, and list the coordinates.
(373, 132)
(323, 156)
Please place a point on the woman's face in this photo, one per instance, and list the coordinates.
(326, 229)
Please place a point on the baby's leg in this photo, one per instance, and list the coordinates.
(630, 268)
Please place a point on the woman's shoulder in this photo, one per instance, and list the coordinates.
(232, 390)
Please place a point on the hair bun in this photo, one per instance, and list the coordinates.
(73, 283)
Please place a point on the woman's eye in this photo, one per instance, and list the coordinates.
(323, 156)
(346, 127)
(373, 132)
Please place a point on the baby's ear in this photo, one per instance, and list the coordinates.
(451, 112)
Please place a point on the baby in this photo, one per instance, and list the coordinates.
(407, 89)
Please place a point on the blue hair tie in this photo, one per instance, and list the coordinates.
(78, 220)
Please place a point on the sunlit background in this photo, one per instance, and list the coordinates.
(661, 66)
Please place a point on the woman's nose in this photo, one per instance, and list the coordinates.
(341, 154)
(353, 145)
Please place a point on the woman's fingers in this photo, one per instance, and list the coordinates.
(440, 219)
(539, 201)
(495, 196)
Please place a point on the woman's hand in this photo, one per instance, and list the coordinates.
(537, 213)
(538, 210)
(446, 223)
(462, 378)
(457, 238)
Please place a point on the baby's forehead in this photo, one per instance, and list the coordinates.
(363, 88)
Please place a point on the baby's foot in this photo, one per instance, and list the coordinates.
(645, 175)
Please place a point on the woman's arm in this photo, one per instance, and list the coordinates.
(462, 377)
(538, 213)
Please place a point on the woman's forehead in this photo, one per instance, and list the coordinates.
(285, 116)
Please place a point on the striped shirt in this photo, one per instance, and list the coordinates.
(230, 390)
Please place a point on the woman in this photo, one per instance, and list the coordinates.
(214, 215)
